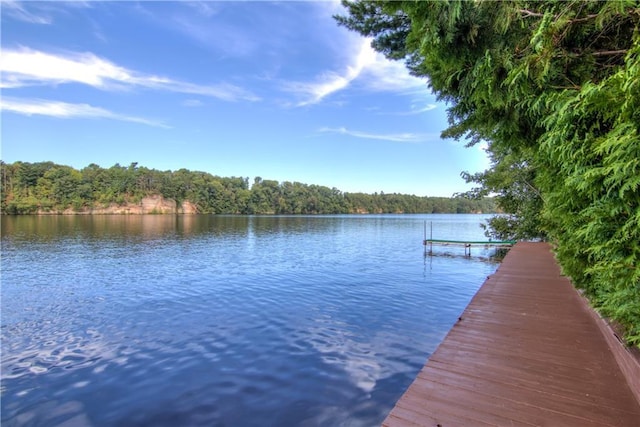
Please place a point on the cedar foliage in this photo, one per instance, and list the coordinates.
(553, 88)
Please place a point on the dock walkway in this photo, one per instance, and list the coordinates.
(525, 352)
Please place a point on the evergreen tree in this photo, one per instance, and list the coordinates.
(553, 88)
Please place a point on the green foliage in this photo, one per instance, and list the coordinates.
(553, 89)
(53, 188)
(593, 143)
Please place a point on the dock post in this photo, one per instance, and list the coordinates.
(431, 239)
(467, 246)
(424, 240)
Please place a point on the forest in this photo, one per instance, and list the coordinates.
(29, 188)
(553, 89)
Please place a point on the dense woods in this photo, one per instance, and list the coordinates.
(47, 187)
(553, 88)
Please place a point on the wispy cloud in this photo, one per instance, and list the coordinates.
(385, 75)
(66, 110)
(362, 67)
(205, 8)
(40, 12)
(414, 110)
(209, 25)
(370, 70)
(393, 137)
(220, 37)
(27, 67)
(330, 82)
(331, 7)
(192, 103)
(17, 10)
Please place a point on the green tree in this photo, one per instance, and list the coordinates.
(553, 89)
(55, 187)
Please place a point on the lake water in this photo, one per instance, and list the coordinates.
(224, 320)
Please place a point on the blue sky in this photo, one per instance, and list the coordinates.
(275, 90)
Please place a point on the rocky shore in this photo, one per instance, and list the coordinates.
(148, 205)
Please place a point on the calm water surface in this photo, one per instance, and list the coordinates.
(224, 321)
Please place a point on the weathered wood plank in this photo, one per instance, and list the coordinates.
(525, 352)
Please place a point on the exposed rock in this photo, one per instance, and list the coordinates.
(149, 205)
(188, 208)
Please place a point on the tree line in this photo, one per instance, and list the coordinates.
(553, 88)
(29, 188)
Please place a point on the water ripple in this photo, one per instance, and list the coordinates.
(220, 321)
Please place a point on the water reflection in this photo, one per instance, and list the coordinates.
(220, 320)
(153, 227)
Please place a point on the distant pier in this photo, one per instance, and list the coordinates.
(467, 244)
(527, 351)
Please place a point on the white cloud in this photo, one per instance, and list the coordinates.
(192, 103)
(331, 7)
(369, 70)
(393, 137)
(18, 11)
(414, 110)
(208, 24)
(383, 74)
(66, 110)
(27, 67)
(330, 82)
(205, 8)
(220, 36)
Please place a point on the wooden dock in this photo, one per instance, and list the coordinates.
(467, 244)
(527, 351)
